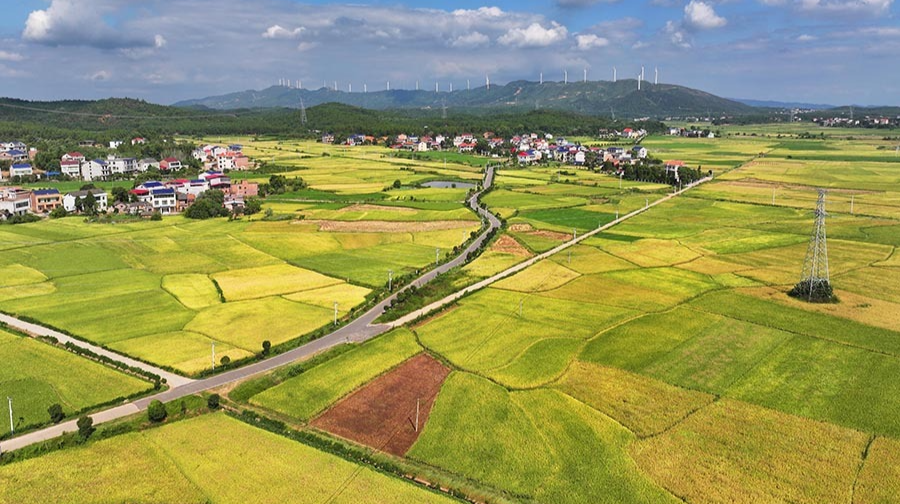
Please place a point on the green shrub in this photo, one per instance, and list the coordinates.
(156, 411)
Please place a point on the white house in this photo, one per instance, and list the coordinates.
(125, 166)
(115, 144)
(20, 170)
(15, 201)
(73, 156)
(70, 198)
(147, 163)
(70, 167)
(95, 169)
(163, 200)
(639, 152)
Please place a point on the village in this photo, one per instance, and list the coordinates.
(173, 195)
(162, 189)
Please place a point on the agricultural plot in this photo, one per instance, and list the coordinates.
(782, 458)
(36, 375)
(502, 335)
(539, 444)
(177, 463)
(388, 412)
(308, 394)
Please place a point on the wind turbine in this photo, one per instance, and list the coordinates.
(615, 75)
(542, 77)
(585, 75)
(487, 81)
(656, 78)
(565, 76)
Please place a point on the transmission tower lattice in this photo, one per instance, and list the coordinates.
(302, 112)
(815, 282)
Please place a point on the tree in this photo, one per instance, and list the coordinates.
(156, 411)
(156, 216)
(56, 413)
(85, 427)
(58, 212)
(212, 402)
(89, 204)
(252, 205)
(120, 194)
(267, 346)
(225, 360)
(277, 184)
(397, 184)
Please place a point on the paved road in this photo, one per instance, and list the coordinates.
(360, 329)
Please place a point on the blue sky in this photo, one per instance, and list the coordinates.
(827, 51)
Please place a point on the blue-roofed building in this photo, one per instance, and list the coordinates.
(44, 201)
(20, 170)
(163, 200)
(639, 151)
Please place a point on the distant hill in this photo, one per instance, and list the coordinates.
(782, 105)
(621, 99)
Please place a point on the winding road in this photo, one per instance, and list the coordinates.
(360, 329)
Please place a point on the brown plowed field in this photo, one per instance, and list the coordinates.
(507, 244)
(383, 413)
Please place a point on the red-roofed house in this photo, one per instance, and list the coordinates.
(170, 163)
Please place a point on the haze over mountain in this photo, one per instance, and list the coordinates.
(621, 99)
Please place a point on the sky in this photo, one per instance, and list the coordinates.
(820, 51)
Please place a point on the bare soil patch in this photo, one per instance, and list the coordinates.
(386, 226)
(508, 245)
(382, 414)
(519, 228)
(553, 235)
(365, 207)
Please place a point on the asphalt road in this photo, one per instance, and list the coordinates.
(360, 329)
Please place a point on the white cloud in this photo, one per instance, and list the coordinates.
(590, 41)
(159, 41)
(10, 56)
(807, 38)
(306, 46)
(677, 35)
(278, 32)
(869, 7)
(469, 40)
(493, 12)
(701, 15)
(80, 23)
(100, 75)
(534, 35)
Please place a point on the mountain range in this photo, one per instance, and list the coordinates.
(620, 99)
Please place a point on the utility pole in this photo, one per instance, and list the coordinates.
(12, 427)
(417, 415)
(214, 355)
(646, 202)
(437, 256)
(390, 280)
(335, 312)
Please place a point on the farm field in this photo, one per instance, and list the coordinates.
(36, 375)
(661, 361)
(177, 463)
(165, 292)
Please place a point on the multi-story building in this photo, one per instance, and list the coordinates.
(44, 201)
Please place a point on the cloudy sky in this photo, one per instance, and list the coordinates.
(827, 51)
